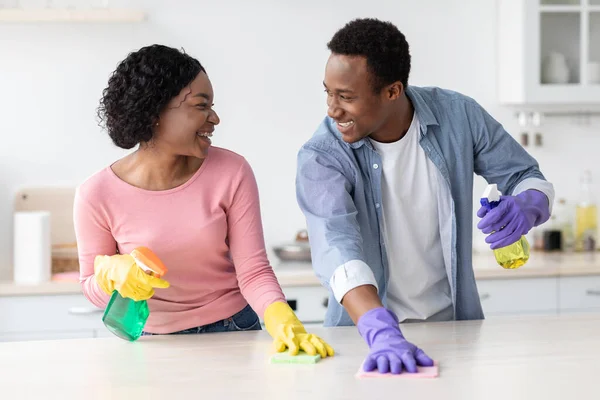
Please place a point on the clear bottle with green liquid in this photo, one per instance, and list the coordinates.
(514, 255)
(125, 317)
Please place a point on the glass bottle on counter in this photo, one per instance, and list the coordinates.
(586, 216)
(563, 215)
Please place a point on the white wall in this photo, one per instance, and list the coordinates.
(266, 60)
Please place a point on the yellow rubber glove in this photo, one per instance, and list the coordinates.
(288, 332)
(121, 273)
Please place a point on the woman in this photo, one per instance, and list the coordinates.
(194, 205)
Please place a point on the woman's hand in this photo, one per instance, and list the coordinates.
(121, 273)
(288, 332)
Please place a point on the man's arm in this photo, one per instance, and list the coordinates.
(323, 192)
(528, 197)
(500, 159)
(324, 195)
(360, 300)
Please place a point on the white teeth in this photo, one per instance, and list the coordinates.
(345, 124)
(204, 134)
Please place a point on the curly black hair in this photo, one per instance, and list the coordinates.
(381, 43)
(140, 88)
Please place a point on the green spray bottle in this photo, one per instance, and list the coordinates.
(124, 316)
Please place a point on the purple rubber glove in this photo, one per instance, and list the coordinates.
(389, 351)
(513, 217)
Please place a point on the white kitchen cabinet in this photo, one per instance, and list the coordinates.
(44, 335)
(580, 293)
(65, 316)
(498, 297)
(529, 32)
(49, 317)
(518, 296)
(68, 316)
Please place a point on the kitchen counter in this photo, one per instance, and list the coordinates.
(300, 274)
(500, 358)
(48, 288)
(540, 264)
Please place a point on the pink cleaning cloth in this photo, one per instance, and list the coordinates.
(422, 372)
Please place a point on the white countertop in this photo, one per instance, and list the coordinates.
(503, 358)
(301, 274)
(540, 264)
(49, 288)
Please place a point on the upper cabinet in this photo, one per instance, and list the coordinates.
(549, 52)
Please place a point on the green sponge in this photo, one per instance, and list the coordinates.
(301, 358)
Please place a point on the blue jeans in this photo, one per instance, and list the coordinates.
(245, 320)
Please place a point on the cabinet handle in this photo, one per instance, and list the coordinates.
(593, 292)
(84, 310)
(484, 296)
(325, 302)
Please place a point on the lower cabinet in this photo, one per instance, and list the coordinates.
(48, 335)
(518, 296)
(557, 295)
(579, 294)
(48, 317)
(522, 296)
(71, 316)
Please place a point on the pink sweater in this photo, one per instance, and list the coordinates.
(208, 232)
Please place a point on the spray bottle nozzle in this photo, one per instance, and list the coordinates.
(491, 196)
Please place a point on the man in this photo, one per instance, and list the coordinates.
(386, 186)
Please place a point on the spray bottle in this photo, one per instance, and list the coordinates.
(124, 316)
(514, 255)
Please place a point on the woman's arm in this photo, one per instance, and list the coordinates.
(93, 238)
(255, 276)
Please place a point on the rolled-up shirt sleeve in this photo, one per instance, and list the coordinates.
(324, 195)
(351, 275)
(537, 184)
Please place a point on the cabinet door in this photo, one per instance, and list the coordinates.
(556, 52)
(102, 333)
(518, 296)
(581, 293)
(45, 335)
(592, 72)
(49, 314)
(548, 51)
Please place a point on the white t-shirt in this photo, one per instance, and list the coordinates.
(418, 287)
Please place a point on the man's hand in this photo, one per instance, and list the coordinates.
(513, 217)
(389, 350)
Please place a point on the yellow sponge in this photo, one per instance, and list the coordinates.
(301, 358)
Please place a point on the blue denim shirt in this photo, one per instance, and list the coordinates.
(339, 191)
